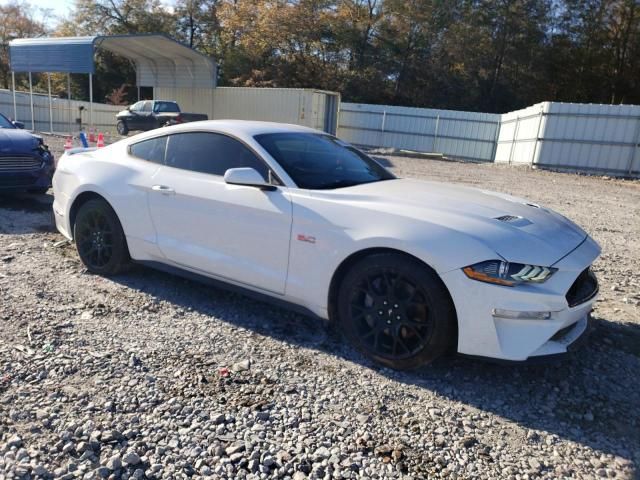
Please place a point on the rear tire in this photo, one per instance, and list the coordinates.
(99, 239)
(122, 128)
(396, 311)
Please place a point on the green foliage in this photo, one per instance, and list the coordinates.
(485, 55)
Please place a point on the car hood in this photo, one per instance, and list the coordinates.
(15, 141)
(514, 228)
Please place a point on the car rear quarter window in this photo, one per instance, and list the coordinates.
(161, 107)
(211, 153)
(152, 150)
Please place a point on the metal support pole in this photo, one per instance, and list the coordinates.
(513, 140)
(435, 135)
(635, 150)
(384, 121)
(535, 146)
(91, 100)
(50, 106)
(138, 92)
(496, 139)
(33, 120)
(13, 84)
(69, 101)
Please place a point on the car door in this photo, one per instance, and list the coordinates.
(134, 120)
(146, 118)
(239, 233)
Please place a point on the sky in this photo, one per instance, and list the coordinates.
(59, 8)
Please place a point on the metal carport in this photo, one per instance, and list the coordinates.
(159, 61)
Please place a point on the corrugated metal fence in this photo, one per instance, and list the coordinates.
(62, 117)
(313, 108)
(573, 136)
(464, 135)
(563, 136)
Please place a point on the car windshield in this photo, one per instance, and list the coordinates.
(320, 162)
(166, 107)
(5, 122)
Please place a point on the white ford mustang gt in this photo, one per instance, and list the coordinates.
(408, 269)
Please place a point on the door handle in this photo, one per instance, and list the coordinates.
(163, 189)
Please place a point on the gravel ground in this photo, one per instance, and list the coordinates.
(150, 376)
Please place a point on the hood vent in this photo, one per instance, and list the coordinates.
(508, 218)
(514, 220)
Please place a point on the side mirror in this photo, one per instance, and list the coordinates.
(248, 177)
(17, 124)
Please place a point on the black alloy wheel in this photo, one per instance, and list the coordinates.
(396, 311)
(122, 128)
(99, 238)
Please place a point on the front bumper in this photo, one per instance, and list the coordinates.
(26, 178)
(483, 334)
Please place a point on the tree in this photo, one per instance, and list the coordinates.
(17, 20)
(487, 55)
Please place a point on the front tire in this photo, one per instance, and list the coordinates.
(396, 311)
(99, 238)
(122, 128)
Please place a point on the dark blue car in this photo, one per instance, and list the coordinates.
(25, 161)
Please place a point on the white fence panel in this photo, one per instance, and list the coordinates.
(465, 135)
(564, 136)
(64, 118)
(576, 137)
(592, 138)
(519, 131)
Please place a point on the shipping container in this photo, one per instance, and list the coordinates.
(312, 108)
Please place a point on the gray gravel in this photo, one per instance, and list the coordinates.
(150, 376)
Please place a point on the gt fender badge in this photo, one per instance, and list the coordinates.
(306, 238)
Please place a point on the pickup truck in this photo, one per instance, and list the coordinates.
(149, 114)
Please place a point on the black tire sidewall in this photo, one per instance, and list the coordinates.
(120, 253)
(122, 128)
(441, 307)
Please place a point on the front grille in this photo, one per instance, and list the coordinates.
(17, 181)
(583, 289)
(19, 164)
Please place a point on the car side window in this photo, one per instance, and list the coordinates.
(147, 106)
(211, 153)
(136, 107)
(151, 150)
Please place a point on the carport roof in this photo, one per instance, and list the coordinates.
(159, 60)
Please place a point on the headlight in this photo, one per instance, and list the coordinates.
(508, 274)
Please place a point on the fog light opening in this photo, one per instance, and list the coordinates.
(517, 315)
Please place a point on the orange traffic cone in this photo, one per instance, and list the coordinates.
(68, 145)
(92, 135)
(100, 143)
